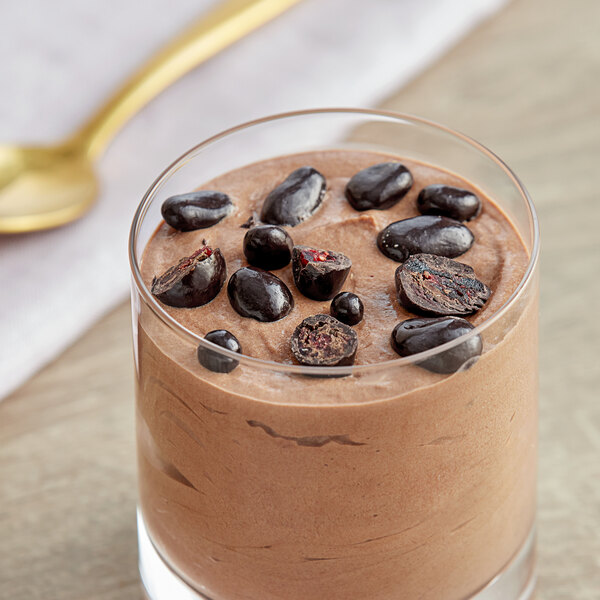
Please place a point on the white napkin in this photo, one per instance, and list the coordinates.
(61, 58)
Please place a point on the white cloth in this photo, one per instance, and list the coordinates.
(61, 58)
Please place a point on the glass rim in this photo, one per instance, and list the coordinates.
(322, 371)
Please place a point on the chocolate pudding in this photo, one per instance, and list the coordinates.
(399, 481)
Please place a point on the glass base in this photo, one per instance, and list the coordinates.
(515, 582)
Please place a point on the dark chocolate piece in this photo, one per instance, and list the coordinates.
(268, 247)
(434, 285)
(449, 201)
(296, 199)
(347, 308)
(211, 359)
(418, 335)
(427, 234)
(250, 222)
(319, 274)
(379, 186)
(197, 210)
(323, 341)
(192, 282)
(259, 295)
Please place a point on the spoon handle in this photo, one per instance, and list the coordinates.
(228, 22)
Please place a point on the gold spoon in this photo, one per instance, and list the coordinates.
(44, 187)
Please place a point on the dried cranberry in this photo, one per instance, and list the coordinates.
(380, 186)
(438, 286)
(319, 274)
(324, 341)
(347, 308)
(449, 201)
(296, 199)
(192, 282)
(212, 359)
(418, 335)
(259, 295)
(197, 210)
(424, 234)
(268, 247)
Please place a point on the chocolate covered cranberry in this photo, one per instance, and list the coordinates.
(379, 186)
(197, 210)
(424, 234)
(418, 335)
(259, 295)
(294, 200)
(195, 280)
(268, 247)
(448, 201)
(323, 341)
(215, 361)
(438, 286)
(347, 308)
(319, 274)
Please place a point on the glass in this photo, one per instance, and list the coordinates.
(252, 486)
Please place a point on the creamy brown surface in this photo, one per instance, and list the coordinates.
(498, 255)
(391, 484)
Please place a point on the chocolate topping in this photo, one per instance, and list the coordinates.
(439, 286)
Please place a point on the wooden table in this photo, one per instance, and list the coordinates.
(527, 84)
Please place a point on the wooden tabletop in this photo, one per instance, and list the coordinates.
(526, 84)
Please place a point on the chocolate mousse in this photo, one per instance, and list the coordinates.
(395, 481)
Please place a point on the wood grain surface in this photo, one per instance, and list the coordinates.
(526, 84)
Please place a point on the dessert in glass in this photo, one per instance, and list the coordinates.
(335, 337)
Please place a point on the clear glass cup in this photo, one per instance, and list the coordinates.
(253, 486)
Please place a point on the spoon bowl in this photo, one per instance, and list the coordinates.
(44, 187)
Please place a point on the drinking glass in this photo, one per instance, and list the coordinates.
(256, 485)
